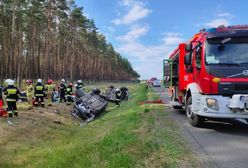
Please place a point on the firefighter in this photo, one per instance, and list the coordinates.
(80, 84)
(62, 90)
(30, 90)
(69, 93)
(12, 95)
(39, 93)
(50, 88)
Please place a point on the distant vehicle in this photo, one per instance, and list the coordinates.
(156, 83)
(151, 80)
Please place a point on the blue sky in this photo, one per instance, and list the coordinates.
(147, 31)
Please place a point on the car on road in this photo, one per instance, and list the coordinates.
(156, 83)
(149, 82)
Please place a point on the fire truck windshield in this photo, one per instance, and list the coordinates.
(227, 51)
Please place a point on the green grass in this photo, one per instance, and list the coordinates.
(129, 136)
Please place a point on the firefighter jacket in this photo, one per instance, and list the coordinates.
(39, 90)
(30, 89)
(50, 88)
(12, 93)
(80, 85)
(62, 88)
(69, 90)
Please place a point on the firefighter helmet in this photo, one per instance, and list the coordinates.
(39, 81)
(62, 80)
(49, 81)
(7, 80)
(29, 81)
(10, 82)
(79, 82)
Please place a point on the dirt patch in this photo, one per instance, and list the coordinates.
(30, 120)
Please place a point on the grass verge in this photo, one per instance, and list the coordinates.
(129, 136)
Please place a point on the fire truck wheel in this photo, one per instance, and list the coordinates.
(173, 99)
(194, 120)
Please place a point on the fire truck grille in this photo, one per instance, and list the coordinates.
(233, 88)
(241, 87)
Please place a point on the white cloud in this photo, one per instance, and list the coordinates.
(172, 38)
(137, 10)
(222, 18)
(136, 49)
(136, 68)
(224, 14)
(150, 57)
(218, 22)
(135, 33)
(147, 59)
(127, 2)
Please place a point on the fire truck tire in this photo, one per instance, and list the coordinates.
(172, 99)
(194, 120)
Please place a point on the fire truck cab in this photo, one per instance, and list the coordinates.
(208, 75)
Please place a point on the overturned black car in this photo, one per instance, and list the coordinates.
(87, 106)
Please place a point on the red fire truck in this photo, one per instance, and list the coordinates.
(208, 75)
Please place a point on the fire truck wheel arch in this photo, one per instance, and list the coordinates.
(194, 90)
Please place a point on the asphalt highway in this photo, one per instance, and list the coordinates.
(216, 144)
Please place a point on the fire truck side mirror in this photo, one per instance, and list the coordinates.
(187, 58)
(188, 47)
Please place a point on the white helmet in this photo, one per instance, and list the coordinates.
(10, 82)
(79, 81)
(7, 80)
(39, 81)
(62, 80)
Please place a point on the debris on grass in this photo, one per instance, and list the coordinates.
(58, 122)
(10, 122)
(152, 102)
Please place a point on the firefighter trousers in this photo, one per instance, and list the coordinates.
(62, 97)
(29, 96)
(68, 99)
(39, 99)
(49, 98)
(12, 109)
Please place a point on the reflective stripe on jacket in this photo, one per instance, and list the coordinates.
(12, 93)
(39, 90)
(69, 90)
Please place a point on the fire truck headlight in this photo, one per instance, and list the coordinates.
(212, 104)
